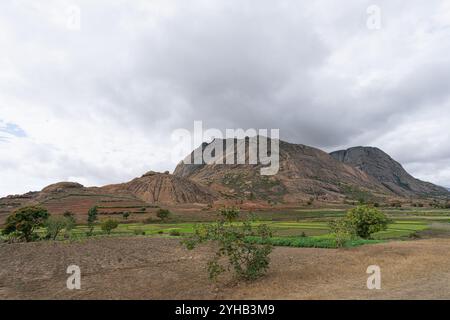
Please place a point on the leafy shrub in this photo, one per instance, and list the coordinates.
(163, 214)
(248, 260)
(139, 232)
(54, 226)
(70, 224)
(125, 215)
(22, 223)
(70, 220)
(109, 225)
(92, 217)
(363, 221)
(175, 233)
(341, 232)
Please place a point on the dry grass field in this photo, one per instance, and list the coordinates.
(156, 268)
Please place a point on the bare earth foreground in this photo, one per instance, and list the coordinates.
(150, 268)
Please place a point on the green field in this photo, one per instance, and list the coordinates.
(300, 234)
(304, 228)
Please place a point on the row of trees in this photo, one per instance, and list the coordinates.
(23, 223)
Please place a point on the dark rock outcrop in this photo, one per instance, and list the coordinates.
(387, 171)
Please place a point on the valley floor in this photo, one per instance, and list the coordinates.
(157, 268)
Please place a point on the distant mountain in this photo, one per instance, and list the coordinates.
(387, 171)
(164, 188)
(305, 174)
(137, 196)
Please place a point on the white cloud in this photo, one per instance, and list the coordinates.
(98, 105)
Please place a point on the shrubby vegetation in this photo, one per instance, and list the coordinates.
(324, 242)
(23, 222)
(234, 252)
(54, 226)
(109, 225)
(70, 223)
(163, 214)
(341, 231)
(361, 222)
(92, 217)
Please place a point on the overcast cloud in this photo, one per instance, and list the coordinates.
(98, 105)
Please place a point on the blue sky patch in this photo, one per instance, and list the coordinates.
(10, 129)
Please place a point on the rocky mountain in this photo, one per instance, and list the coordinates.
(387, 171)
(164, 188)
(304, 173)
(137, 196)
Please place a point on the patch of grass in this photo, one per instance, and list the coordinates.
(325, 242)
(400, 230)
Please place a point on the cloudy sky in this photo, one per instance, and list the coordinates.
(95, 97)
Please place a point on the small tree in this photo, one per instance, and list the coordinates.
(24, 221)
(341, 231)
(163, 214)
(70, 221)
(125, 215)
(109, 225)
(363, 221)
(249, 261)
(92, 217)
(54, 226)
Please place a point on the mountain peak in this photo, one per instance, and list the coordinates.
(378, 164)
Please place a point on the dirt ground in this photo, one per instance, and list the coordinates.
(151, 268)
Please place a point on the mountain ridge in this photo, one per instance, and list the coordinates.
(305, 174)
(387, 171)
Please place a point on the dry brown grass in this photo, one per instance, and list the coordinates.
(148, 268)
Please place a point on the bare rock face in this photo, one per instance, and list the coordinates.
(387, 171)
(151, 189)
(164, 188)
(304, 172)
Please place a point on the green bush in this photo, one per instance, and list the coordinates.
(70, 220)
(341, 232)
(139, 232)
(175, 233)
(363, 221)
(109, 225)
(22, 223)
(54, 226)
(248, 260)
(125, 215)
(163, 214)
(92, 217)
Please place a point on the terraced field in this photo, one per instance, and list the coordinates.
(285, 233)
(310, 226)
